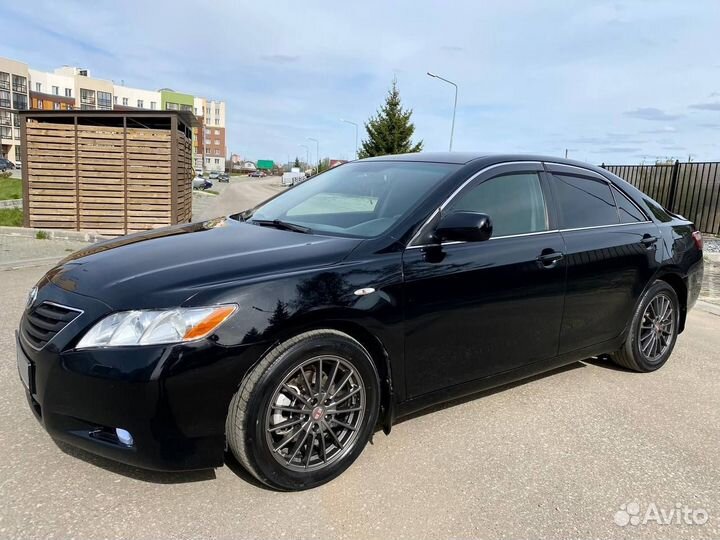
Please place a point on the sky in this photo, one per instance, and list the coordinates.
(608, 81)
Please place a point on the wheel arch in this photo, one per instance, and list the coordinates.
(371, 343)
(676, 281)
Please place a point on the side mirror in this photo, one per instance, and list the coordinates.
(464, 227)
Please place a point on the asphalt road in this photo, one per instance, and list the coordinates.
(553, 457)
(239, 194)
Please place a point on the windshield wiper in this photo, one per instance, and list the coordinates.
(280, 224)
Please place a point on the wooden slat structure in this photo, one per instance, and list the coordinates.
(113, 172)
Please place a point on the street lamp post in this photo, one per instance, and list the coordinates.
(307, 153)
(452, 129)
(317, 144)
(356, 134)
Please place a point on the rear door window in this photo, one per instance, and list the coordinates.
(584, 201)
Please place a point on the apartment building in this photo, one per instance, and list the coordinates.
(126, 98)
(14, 97)
(71, 87)
(50, 91)
(89, 93)
(210, 142)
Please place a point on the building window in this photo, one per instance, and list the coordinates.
(19, 84)
(56, 90)
(125, 101)
(38, 87)
(5, 98)
(207, 131)
(187, 108)
(140, 103)
(217, 112)
(20, 101)
(217, 132)
(114, 100)
(217, 142)
(207, 141)
(68, 92)
(169, 106)
(217, 161)
(217, 121)
(207, 160)
(87, 98)
(104, 100)
(4, 81)
(5, 132)
(5, 118)
(153, 105)
(217, 152)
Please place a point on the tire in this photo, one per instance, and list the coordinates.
(322, 448)
(637, 351)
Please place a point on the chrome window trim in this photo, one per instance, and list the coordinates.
(532, 234)
(459, 189)
(76, 310)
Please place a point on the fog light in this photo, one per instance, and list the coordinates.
(124, 436)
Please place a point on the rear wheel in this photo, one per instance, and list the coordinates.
(653, 332)
(306, 411)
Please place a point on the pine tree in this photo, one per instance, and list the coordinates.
(297, 162)
(390, 131)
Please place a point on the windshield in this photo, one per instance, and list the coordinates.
(362, 199)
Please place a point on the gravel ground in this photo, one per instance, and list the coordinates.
(711, 244)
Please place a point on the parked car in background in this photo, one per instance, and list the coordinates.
(256, 174)
(198, 172)
(6, 165)
(201, 183)
(289, 331)
(213, 175)
(223, 177)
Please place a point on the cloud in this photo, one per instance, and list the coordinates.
(662, 130)
(617, 150)
(713, 106)
(651, 113)
(710, 125)
(280, 58)
(520, 86)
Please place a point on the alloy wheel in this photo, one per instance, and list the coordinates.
(315, 413)
(657, 328)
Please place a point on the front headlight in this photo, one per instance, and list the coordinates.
(152, 327)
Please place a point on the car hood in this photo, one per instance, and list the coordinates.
(166, 267)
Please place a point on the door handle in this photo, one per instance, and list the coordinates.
(548, 259)
(648, 241)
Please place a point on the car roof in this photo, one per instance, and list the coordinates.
(463, 158)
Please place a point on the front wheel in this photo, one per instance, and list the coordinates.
(653, 330)
(306, 411)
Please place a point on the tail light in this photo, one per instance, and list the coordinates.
(697, 237)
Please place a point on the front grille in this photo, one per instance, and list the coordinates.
(44, 321)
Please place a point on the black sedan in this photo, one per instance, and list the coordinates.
(289, 332)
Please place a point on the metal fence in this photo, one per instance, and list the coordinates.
(689, 189)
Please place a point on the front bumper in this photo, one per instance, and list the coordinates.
(173, 400)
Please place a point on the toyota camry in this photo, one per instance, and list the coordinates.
(289, 333)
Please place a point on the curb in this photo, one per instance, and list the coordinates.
(82, 236)
(11, 203)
